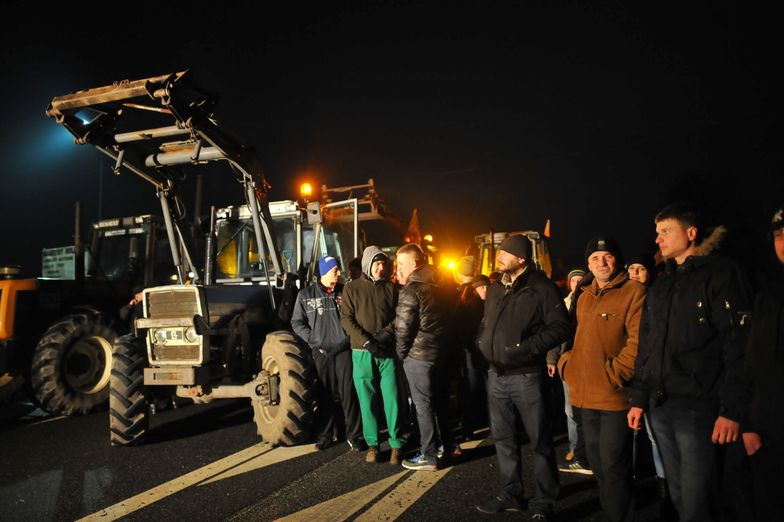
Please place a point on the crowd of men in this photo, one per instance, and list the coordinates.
(681, 348)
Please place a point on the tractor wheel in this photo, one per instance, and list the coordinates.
(128, 414)
(71, 365)
(289, 421)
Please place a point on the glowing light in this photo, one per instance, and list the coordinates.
(305, 190)
(428, 238)
(450, 264)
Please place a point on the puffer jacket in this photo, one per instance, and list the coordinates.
(765, 364)
(316, 319)
(522, 321)
(601, 363)
(421, 318)
(368, 309)
(693, 336)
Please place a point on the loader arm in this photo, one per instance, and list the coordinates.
(155, 126)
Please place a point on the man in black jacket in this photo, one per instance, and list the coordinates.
(420, 333)
(316, 319)
(763, 430)
(524, 317)
(689, 368)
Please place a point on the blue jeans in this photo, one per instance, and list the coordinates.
(689, 457)
(523, 395)
(425, 385)
(571, 424)
(657, 460)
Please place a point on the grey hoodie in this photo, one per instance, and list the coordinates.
(368, 306)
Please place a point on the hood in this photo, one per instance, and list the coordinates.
(711, 243)
(367, 259)
(423, 274)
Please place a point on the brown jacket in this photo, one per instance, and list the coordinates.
(601, 363)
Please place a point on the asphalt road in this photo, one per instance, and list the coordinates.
(207, 463)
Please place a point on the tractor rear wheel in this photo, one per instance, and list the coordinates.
(71, 365)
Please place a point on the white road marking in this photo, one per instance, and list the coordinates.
(267, 459)
(342, 507)
(157, 493)
(389, 507)
(409, 491)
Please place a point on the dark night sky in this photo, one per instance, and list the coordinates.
(591, 114)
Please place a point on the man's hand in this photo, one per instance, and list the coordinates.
(725, 431)
(550, 370)
(373, 347)
(634, 418)
(752, 442)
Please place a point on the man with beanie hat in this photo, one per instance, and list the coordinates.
(368, 315)
(598, 369)
(524, 318)
(316, 320)
(763, 430)
(689, 370)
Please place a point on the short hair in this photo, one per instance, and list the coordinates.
(687, 214)
(413, 250)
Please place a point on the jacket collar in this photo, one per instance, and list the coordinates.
(620, 278)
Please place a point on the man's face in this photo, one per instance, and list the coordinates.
(377, 268)
(638, 272)
(602, 265)
(481, 292)
(405, 266)
(778, 243)
(673, 238)
(330, 279)
(507, 263)
(574, 282)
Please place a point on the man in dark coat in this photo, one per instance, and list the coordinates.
(420, 333)
(524, 317)
(316, 319)
(763, 431)
(689, 368)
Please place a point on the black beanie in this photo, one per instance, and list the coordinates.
(606, 244)
(517, 245)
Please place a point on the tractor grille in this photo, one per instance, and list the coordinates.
(175, 353)
(173, 303)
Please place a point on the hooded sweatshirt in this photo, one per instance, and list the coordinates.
(368, 310)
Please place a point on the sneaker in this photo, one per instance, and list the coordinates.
(570, 456)
(498, 506)
(323, 444)
(372, 454)
(456, 451)
(357, 445)
(541, 516)
(421, 463)
(394, 457)
(576, 467)
(440, 451)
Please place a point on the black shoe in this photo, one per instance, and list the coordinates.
(357, 445)
(499, 506)
(323, 444)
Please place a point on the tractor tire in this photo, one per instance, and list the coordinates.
(128, 409)
(290, 421)
(71, 365)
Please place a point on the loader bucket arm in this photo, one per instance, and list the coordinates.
(154, 127)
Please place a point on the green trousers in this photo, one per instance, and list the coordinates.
(371, 375)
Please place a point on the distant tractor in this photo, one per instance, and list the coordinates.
(223, 330)
(487, 245)
(57, 330)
